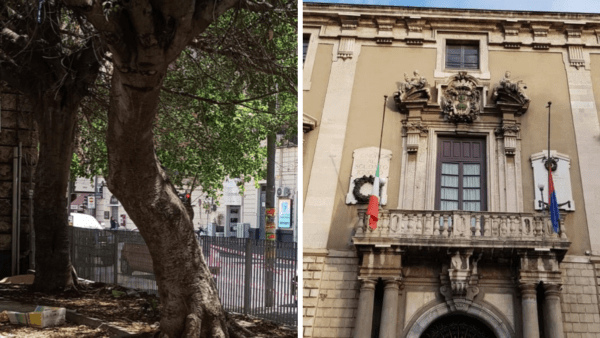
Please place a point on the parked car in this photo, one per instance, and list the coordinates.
(101, 241)
(136, 257)
(84, 221)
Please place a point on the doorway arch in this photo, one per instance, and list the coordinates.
(457, 326)
(476, 311)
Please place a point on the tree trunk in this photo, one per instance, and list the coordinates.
(190, 305)
(56, 115)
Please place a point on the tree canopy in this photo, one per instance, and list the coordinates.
(213, 114)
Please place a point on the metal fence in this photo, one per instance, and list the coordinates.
(253, 277)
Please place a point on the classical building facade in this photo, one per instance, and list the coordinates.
(464, 246)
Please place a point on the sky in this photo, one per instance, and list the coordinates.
(578, 6)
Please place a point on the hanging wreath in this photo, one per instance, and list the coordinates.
(358, 183)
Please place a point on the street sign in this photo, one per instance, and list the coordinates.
(91, 202)
(285, 213)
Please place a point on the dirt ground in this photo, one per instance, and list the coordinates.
(136, 312)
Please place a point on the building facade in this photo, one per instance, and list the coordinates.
(464, 244)
(231, 208)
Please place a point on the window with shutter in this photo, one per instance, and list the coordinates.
(461, 175)
(462, 55)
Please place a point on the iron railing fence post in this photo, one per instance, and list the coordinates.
(116, 256)
(248, 276)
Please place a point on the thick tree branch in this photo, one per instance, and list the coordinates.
(203, 99)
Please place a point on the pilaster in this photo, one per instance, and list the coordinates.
(321, 192)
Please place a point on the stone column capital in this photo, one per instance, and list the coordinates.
(367, 284)
(391, 284)
(528, 290)
(552, 290)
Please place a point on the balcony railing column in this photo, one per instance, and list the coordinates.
(486, 226)
(436, 224)
(360, 227)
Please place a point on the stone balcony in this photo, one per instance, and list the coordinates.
(499, 231)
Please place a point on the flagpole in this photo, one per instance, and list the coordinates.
(381, 137)
(549, 161)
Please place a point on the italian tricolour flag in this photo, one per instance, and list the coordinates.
(373, 210)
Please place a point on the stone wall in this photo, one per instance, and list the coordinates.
(580, 297)
(16, 125)
(330, 294)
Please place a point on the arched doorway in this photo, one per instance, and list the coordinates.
(457, 326)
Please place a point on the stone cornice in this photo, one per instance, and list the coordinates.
(333, 10)
(512, 29)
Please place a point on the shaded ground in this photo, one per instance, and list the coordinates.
(135, 312)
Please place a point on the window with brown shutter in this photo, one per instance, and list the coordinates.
(462, 55)
(461, 179)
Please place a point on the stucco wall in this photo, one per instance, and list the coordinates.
(545, 76)
(379, 71)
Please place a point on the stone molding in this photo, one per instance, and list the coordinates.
(539, 266)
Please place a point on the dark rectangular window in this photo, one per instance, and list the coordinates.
(461, 175)
(305, 40)
(462, 55)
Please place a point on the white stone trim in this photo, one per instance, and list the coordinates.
(311, 55)
(418, 178)
(324, 178)
(483, 73)
(561, 178)
(586, 128)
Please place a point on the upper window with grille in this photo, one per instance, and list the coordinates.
(462, 55)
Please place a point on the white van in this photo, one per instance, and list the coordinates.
(84, 221)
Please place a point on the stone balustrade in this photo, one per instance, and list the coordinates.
(459, 225)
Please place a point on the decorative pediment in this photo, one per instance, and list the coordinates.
(461, 98)
(510, 92)
(415, 89)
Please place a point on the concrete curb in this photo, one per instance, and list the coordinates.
(77, 318)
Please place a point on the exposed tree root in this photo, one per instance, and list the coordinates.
(236, 330)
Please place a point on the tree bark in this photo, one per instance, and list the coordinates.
(56, 116)
(188, 295)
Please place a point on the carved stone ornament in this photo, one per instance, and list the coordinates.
(412, 89)
(510, 129)
(460, 281)
(461, 100)
(511, 92)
